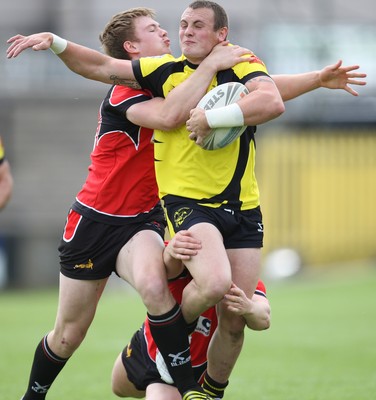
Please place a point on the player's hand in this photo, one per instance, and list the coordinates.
(337, 77)
(237, 302)
(19, 43)
(183, 246)
(198, 125)
(224, 56)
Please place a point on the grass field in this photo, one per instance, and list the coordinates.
(321, 346)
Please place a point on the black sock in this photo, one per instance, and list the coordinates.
(214, 388)
(170, 334)
(46, 367)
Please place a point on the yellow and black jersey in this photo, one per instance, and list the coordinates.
(223, 177)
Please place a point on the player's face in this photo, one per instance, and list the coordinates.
(152, 39)
(196, 33)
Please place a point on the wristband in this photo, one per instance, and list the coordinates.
(58, 44)
(225, 117)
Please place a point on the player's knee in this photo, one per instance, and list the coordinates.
(117, 390)
(66, 340)
(154, 291)
(213, 290)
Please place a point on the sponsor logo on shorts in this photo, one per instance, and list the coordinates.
(181, 214)
(155, 225)
(88, 265)
(129, 350)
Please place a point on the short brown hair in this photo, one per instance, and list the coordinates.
(220, 15)
(121, 28)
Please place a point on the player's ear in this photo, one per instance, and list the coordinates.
(129, 47)
(222, 33)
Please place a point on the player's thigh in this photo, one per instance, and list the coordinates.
(246, 268)
(211, 265)
(140, 258)
(78, 301)
(161, 391)
(140, 263)
(121, 385)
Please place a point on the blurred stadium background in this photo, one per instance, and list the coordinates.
(316, 164)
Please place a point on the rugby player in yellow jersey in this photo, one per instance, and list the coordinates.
(214, 195)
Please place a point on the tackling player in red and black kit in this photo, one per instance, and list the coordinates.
(116, 223)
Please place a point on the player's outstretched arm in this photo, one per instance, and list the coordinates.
(255, 311)
(333, 76)
(87, 62)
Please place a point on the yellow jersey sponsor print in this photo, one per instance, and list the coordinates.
(181, 214)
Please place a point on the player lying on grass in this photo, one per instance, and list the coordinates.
(136, 372)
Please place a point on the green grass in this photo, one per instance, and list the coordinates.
(321, 344)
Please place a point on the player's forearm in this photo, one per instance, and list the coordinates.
(294, 85)
(87, 62)
(186, 95)
(262, 104)
(174, 267)
(173, 111)
(258, 317)
(92, 64)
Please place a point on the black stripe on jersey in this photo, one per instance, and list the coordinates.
(234, 185)
(165, 70)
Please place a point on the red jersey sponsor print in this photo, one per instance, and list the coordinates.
(121, 180)
(257, 60)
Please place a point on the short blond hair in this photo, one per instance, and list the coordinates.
(121, 28)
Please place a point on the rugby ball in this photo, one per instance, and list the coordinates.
(220, 96)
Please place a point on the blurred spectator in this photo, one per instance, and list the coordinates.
(6, 179)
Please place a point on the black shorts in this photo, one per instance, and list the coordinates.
(141, 369)
(89, 249)
(240, 229)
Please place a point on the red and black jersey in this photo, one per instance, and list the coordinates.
(121, 181)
